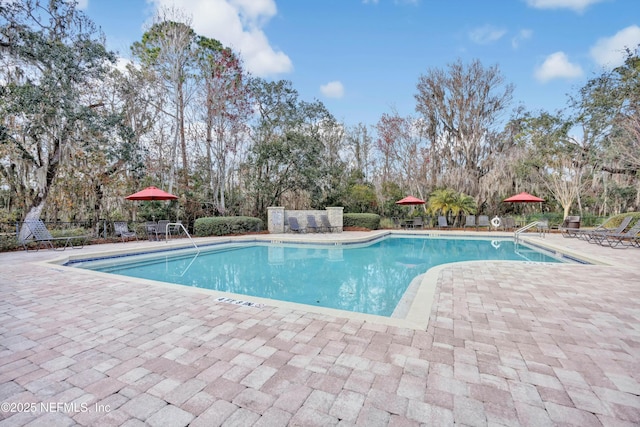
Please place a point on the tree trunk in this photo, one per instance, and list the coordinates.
(38, 203)
(183, 140)
(222, 185)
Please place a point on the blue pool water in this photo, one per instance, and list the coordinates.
(367, 278)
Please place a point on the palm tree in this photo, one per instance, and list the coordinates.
(441, 201)
(467, 204)
(447, 200)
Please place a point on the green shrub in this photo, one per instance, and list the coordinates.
(615, 220)
(386, 223)
(9, 243)
(78, 231)
(365, 220)
(554, 218)
(222, 225)
(590, 220)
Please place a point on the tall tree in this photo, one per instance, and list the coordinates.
(556, 157)
(50, 52)
(286, 159)
(167, 48)
(359, 147)
(596, 135)
(619, 90)
(129, 96)
(405, 157)
(460, 110)
(227, 111)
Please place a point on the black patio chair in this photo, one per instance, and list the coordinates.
(327, 224)
(570, 226)
(312, 225)
(121, 230)
(294, 226)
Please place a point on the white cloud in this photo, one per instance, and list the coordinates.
(237, 24)
(557, 66)
(610, 51)
(122, 63)
(82, 4)
(486, 34)
(333, 89)
(524, 34)
(576, 5)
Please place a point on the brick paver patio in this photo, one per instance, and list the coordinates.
(513, 344)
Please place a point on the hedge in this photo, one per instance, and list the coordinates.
(221, 225)
(365, 220)
(615, 220)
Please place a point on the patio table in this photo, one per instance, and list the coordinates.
(407, 223)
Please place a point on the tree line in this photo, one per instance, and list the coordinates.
(78, 132)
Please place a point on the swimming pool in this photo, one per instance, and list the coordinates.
(366, 278)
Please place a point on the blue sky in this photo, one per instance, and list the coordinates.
(363, 58)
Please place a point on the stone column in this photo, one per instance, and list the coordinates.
(275, 219)
(335, 217)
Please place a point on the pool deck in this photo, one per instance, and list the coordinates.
(506, 344)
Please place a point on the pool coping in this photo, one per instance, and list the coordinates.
(416, 314)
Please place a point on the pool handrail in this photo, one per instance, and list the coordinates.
(542, 225)
(179, 224)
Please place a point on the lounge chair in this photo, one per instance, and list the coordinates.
(483, 221)
(122, 230)
(39, 234)
(508, 223)
(442, 222)
(294, 226)
(570, 226)
(628, 238)
(312, 225)
(418, 223)
(327, 224)
(594, 236)
(397, 223)
(161, 229)
(471, 222)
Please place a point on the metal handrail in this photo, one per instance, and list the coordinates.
(525, 228)
(168, 234)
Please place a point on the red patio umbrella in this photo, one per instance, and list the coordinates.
(410, 200)
(151, 193)
(523, 197)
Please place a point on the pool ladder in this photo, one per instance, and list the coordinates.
(179, 224)
(542, 226)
